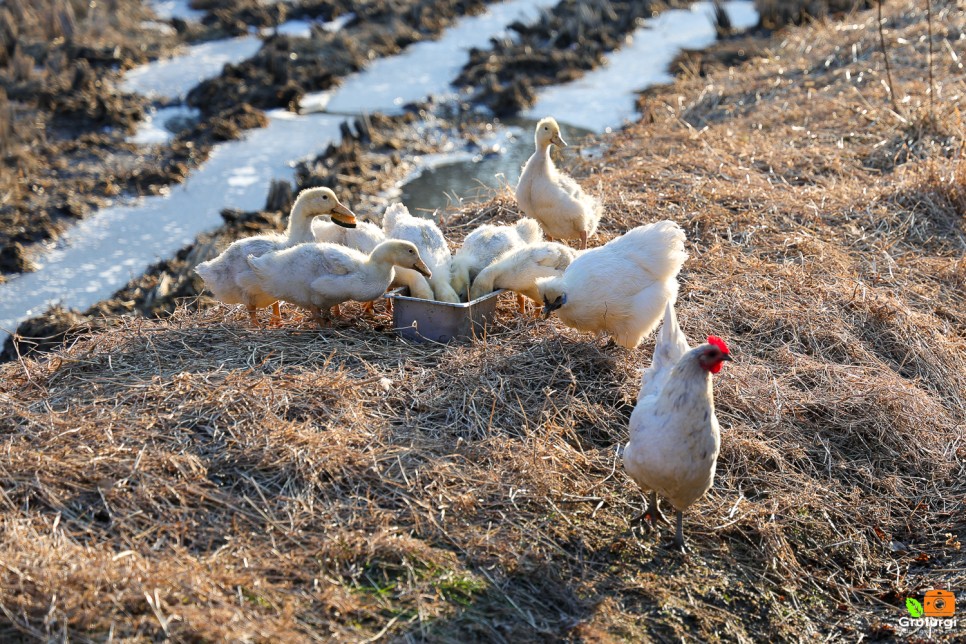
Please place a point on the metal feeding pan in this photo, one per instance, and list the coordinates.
(431, 321)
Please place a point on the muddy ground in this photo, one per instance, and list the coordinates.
(63, 121)
(80, 162)
(560, 47)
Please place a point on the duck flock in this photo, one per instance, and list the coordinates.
(623, 288)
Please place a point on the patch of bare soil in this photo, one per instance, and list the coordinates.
(286, 68)
(565, 42)
(63, 122)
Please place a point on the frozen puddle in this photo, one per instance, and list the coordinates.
(426, 68)
(603, 98)
(169, 9)
(303, 28)
(160, 124)
(173, 78)
(103, 252)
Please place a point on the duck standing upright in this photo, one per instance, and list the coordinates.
(675, 438)
(619, 288)
(229, 276)
(555, 200)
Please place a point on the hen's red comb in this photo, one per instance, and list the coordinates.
(718, 342)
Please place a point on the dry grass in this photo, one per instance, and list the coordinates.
(198, 479)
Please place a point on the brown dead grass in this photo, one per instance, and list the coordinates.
(197, 479)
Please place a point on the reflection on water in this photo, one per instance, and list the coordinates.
(447, 180)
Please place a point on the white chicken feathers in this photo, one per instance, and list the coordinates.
(620, 288)
(674, 433)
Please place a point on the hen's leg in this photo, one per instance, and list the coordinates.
(317, 316)
(679, 535)
(654, 513)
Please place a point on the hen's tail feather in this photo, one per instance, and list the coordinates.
(659, 249)
(670, 345)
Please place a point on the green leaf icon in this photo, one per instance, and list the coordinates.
(915, 608)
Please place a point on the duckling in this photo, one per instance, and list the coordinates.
(622, 287)
(399, 224)
(228, 275)
(320, 276)
(485, 245)
(364, 238)
(519, 269)
(561, 206)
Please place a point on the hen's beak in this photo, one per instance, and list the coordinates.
(422, 268)
(558, 140)
(343, 216)
(725, 356)
(549, 307)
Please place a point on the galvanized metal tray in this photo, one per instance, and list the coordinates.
(432, 321)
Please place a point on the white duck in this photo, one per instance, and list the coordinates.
(675, 438)
(555, 200)
(620, 288)
(428, 238)
(485, 245)
(228, 275)
(364, 238)
(519, 269)
(320, 276)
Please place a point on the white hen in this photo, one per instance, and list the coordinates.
(485, 245)
(675, 438)
(621, 287)
(555, 200)
(428, 238)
